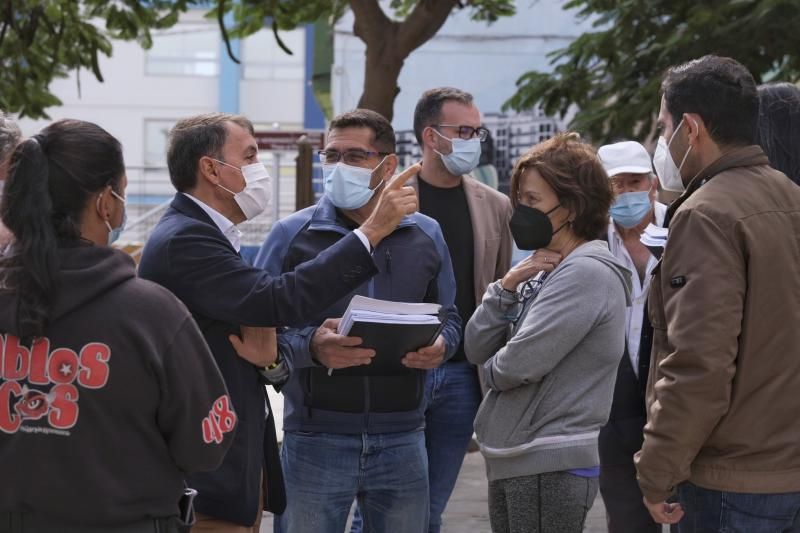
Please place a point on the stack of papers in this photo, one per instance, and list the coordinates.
(654, 236)
(392, 329)
(363, 309)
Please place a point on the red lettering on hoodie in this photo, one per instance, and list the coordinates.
(94, 365)
(62, 366)
(39, 366)
(64, 406)
(16, 359)
(220, 420)
(9, 421)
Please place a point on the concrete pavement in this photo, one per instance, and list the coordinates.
(467, 511)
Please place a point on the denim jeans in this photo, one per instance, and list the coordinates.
(452, 397)
(324, 473)
(708, 511)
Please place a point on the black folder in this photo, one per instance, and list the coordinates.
(391, 343)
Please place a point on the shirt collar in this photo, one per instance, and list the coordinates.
(228, 228)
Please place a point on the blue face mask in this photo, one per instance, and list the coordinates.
(114, 233)
(348, 186)
(630, 208)
(465, 156)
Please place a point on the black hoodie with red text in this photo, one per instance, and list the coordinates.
(101, 418)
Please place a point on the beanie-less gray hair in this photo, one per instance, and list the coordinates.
(10, 135)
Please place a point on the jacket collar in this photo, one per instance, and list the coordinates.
(189, 208)
(324, 217)
(746, 156)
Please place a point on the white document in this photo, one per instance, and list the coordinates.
(363, 309)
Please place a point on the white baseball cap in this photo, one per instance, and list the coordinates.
(625, 157)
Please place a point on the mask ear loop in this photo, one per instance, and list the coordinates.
(383, 181)
(688, 151)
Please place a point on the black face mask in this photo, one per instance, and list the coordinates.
(532, 228)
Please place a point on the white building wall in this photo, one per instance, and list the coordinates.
(485, 60)
(132, 94)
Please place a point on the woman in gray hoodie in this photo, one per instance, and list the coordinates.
(548, 338)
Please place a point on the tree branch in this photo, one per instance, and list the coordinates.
(371, 23)
(224, 31)
(422, 23)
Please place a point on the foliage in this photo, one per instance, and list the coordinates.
(613, 73)
(41, 40)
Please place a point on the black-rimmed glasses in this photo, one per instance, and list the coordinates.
(466, 132)
(350, 157)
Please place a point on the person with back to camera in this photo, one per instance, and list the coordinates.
(10, 136)
(551, 383)
(779, 127)
(109, 394)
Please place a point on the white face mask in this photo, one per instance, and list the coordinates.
(465, 156)
(257, 192)
(667, 171)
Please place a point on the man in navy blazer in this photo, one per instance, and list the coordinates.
(194, 252)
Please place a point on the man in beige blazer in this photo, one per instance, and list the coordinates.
(474, 220)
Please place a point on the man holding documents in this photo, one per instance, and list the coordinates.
(353, 417)
(635, 208)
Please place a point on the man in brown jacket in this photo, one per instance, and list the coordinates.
(723, 403)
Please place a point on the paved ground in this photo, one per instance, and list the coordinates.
(467, 511)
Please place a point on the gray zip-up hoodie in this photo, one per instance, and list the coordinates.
(551, 384)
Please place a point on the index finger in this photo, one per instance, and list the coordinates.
(399, 180)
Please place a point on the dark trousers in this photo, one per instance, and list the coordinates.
(619, 440)
(17, 522)
(625, 512)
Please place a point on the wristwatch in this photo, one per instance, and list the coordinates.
(275, 364)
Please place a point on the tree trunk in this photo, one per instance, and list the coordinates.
(380, 78)
(389, 43)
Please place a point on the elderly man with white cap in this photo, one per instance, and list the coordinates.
(629, 168)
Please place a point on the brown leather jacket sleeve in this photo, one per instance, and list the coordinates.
(696, 307)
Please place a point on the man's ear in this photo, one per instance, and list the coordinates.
(391, 165)
(695, 126)
(208, 170)
(654, 183)
(429, 137)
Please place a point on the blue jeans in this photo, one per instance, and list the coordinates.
(387, 473)
(711, 511)
(452, 395)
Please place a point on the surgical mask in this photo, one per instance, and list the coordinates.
(114, 233)
(532, 228)
(348, 186)
(254, 198)
(465, 155)
(668, 173)
(630, 208)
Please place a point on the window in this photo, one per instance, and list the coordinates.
(155, 141)
(185, 50)
(263, 59)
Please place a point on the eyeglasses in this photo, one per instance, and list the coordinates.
(530, 289)
(466, 132)
(350, 157)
